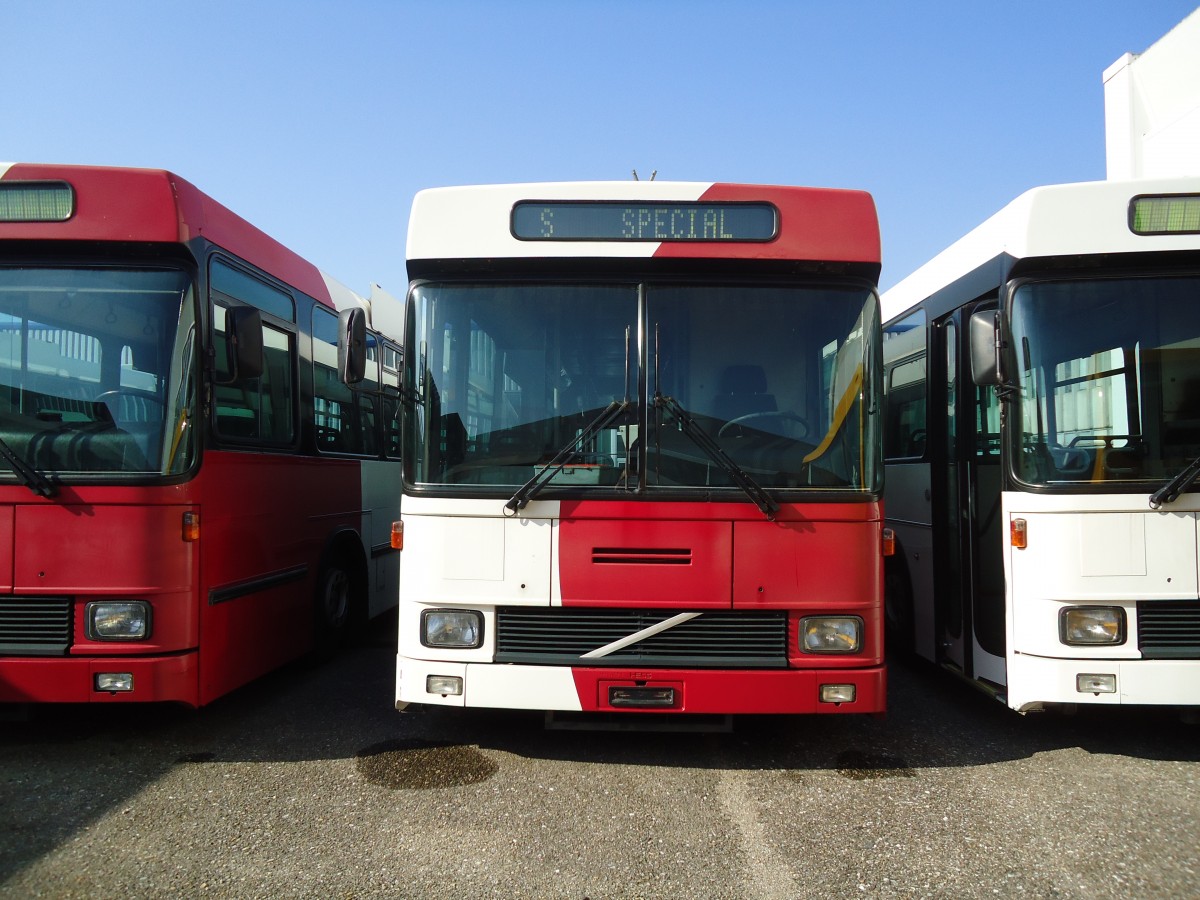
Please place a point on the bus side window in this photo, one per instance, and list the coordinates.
(904, 422)
(262, 409)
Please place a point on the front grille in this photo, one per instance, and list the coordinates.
(35, 626)
(560, 636)
(1169, 629)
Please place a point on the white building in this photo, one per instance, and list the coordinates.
(1152, 107)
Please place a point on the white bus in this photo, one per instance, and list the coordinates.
(1042, 439)
(642, 465)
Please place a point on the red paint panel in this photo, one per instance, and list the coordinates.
(87, 548)
(815, 224)
(264, 515)
(736, 692)
(7, 535)
(120, 204)
(645, 562)
(813, 565)
(171, 679)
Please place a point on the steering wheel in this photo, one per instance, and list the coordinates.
(129, 392)
(791, 417)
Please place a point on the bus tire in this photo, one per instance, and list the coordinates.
(898, 608)
(333, 607)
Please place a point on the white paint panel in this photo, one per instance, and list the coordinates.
(1033, 680)
(380, 485)
(1160, 564)
(473, 550)
(475, 553)
(473, 222)
(1056, 569)
(522, 687)
(499, 687)
(1088, 217)
(1113, 544)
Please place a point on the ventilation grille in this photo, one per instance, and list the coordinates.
(561, 636)
(1169, 629)
(35, 626)
(646, 556)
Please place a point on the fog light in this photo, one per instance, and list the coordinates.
(831, 634)
(446, 685)
(457, 629)
(837, 693)
(117, 620)
(1096, 684)
(111, 682)
(1092, 625)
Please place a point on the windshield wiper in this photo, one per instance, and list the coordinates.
(30, 477)
(1170, 491)
(698, 436)
(542, 477)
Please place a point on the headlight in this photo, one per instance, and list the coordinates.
(117, 620)
(831, 634)
(1092, 625)
(453, 628)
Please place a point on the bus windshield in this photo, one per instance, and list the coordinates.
(96, 370)
(1109, 377)
(505, 377)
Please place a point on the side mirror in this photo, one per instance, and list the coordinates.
(352, 345)
(984, 334)
(244, 342)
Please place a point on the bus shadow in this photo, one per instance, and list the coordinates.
(933, 721)
(65, 769)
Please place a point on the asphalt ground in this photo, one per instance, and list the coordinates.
(309, 784)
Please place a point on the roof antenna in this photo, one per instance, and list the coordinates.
(652, 174)
(635, 178)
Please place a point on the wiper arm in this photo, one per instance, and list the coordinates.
(1170, 491)
(764, 501)
(542, 477)
(30, 477)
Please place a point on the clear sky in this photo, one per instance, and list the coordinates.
(318, 121)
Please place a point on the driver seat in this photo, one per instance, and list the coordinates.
(742, 391)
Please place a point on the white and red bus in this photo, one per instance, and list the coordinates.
(642, 466)
(190, 495)
(1042, 444)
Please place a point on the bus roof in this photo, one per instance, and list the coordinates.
(1090, 217)
(475, 222)
(156, 206)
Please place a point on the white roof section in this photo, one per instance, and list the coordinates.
(472, 222)
(1057, 220)
(1152, 107)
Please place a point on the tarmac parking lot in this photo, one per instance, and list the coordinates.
(309, 784)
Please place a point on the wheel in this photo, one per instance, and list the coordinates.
(332, 608)
(898, 611)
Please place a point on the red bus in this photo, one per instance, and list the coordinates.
(642, 464)
(190, 494)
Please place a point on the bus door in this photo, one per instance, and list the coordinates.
(968, 576)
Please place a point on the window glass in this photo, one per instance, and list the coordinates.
(255, 409)
(97, 369)
(904, 434)
(236, 283)
(1109, 377)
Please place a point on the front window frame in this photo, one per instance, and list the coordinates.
(642, 388)
(1084, 467)
(168, 453)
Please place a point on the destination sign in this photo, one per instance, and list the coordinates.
(632, 221)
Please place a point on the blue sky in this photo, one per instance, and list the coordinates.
(318, 121)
